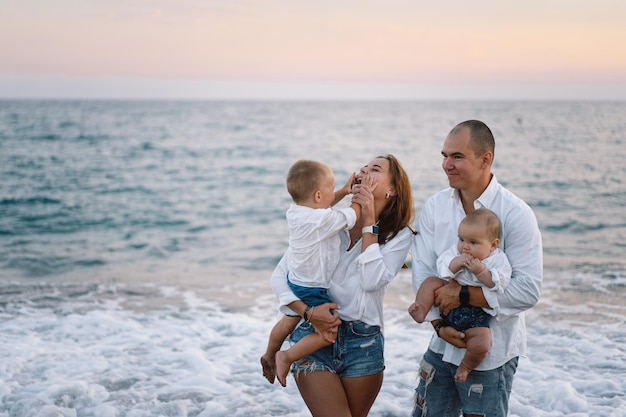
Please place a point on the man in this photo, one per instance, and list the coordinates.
(468, 153)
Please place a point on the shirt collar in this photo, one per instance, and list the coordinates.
(486, 198)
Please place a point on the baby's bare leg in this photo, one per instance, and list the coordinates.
(279, 333)
(478, 341)
(425, 298)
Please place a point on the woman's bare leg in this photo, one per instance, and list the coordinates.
(323, 393)
(362, 392)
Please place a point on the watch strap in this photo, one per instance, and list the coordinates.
(464, 296)
(373, 229)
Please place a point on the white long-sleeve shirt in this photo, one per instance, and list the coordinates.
(359, 282)
(520, 240)
(496, 263)
(314, 243)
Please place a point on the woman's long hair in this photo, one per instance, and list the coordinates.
(398, 212)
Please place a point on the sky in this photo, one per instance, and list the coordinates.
(316, 49)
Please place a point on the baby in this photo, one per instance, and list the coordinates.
(475, 260)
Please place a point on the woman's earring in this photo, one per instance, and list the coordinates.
(387, 195)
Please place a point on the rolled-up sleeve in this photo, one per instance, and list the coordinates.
(523, 247)
(278, 282)
(423, 251)
(378, 265)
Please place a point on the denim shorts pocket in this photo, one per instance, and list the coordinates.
(359, 328)
(302, 330)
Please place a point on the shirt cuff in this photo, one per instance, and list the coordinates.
(372, 253)
(492, 298)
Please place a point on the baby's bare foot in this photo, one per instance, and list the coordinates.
(282, 367)
(418, 312)
(269, 367)
(461, 374)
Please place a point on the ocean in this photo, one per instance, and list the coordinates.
(137, 239)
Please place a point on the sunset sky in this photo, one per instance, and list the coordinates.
(384, 49)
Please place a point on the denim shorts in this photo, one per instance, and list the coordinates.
(484, 392)
(357, 352)
(313, 296)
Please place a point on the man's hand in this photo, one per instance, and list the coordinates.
(452, 336)
(325, 322)
(447, 297)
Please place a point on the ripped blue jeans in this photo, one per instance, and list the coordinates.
(357, 352)
(485, 393)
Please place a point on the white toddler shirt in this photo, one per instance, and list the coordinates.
(314, 243)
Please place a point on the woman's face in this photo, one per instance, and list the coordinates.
(378, 170)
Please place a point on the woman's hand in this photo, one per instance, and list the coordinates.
(325, 320)
(363, 196)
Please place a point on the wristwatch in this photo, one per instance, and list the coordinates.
(373, 229)
(437, 325)
(464, 296)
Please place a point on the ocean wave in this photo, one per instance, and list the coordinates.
(43, 264)
(46, 137)
(28, 201)
(576, 227)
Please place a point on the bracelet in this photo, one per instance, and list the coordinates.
(306, 316)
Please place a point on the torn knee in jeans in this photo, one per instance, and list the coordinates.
(419, 408)
(475, 390)
(427, 371)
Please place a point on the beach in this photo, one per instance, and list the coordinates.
(137, 239)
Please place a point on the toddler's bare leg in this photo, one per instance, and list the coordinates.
(478, 342)
(305, 346)
(279, 333)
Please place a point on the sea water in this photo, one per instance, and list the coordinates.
(137, 240)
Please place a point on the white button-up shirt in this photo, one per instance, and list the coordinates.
(314, 243)
(359, 282)
(496, 263)
(520, 240)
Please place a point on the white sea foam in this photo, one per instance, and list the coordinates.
(99, 359)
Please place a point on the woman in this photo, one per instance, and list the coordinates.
(343, 379)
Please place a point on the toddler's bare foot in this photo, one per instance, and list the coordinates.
(461, 374)
(282, 367)
(418, 312)
(269, 367)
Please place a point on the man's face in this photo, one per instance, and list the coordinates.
(462, 167)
